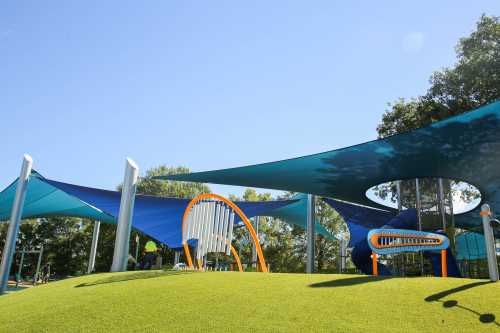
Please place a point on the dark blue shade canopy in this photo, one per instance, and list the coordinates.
(465, 147)
(157, 217)
(360, 219)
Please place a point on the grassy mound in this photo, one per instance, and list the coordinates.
(158, 301)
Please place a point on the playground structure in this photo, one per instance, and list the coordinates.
(390, 241)
(209, 218)
(435, 152)
(36, 274)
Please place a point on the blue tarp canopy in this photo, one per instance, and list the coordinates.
(465, 147)
(157, 217)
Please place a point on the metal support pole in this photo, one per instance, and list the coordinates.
(15, 221)
(489, 242)
(441, 203)
(400, 199)
(20, 268)
(311, 219)
(254, 247)
(176, 257)
(120, 255)
(419, 216)
(38, 264)
(137, 243)
(93, 247)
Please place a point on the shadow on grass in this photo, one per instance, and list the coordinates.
(485, 318)
(349, 281)
(141, 275)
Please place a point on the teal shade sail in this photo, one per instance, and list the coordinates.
(465, 147)
(46, 200)
(296, 214)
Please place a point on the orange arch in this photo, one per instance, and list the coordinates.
(238, 211)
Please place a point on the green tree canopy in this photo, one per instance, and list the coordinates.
(473, 81)
(148, 185)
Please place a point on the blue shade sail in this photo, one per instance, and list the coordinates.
(465, 147)
(157, 217)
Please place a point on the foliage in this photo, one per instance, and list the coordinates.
(472, 82)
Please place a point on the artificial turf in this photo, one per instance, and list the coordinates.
(167, 301)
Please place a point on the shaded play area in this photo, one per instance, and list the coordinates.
(421, 165)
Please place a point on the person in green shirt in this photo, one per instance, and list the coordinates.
(150, 250)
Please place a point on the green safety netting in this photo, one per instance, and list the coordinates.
(465, 147)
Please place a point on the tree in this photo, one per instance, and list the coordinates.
(166, 188)
(472, 82)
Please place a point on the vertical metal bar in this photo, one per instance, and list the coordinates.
(201, 216)
(225, 220)
(254, 247)
(38, 264)
(489, 242)
(215, 244)
(205, 230)
(419, 216)
(137, 241)
(176, 257)
(20, 268)
(229, 230)
(311, 219)
(211, 221)
(189, 229)
(93, 247)
(441, 203)
(400, 199)
(121, 251)
(418, 203)
(15, 221)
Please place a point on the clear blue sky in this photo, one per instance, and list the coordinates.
(208, 84)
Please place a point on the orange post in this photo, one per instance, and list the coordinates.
(444, 269)
(374, 264)
(188, 254)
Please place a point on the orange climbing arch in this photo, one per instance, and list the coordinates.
(240, 213)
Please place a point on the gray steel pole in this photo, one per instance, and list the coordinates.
(15, 220)
(254, 247)
(400, 200)
(176, 257)
(93, 247)
(120, 255)
(419, 216)
(311, 219)
(20, 268)
(38, 264)
(137, 241)
(489, 242)
(441, 202)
